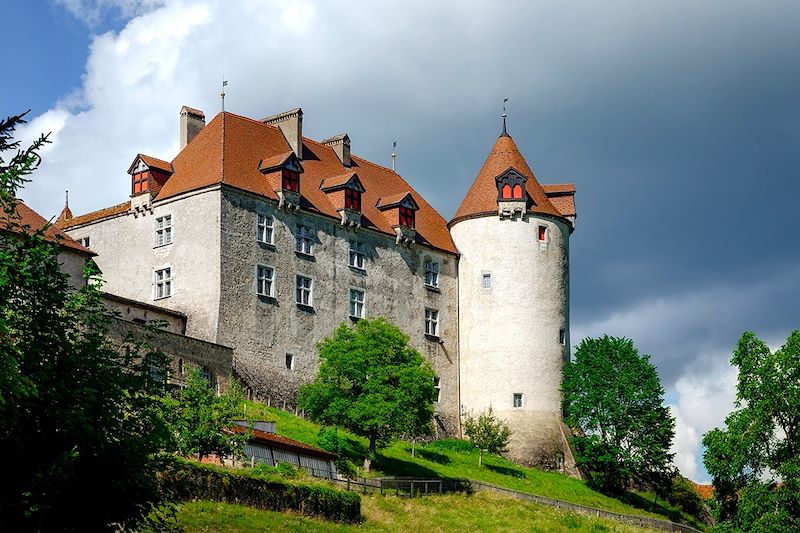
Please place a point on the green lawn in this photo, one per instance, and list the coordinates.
(456, 513)
(453, 459)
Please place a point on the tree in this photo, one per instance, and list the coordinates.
(613, 394)
(80, 428)
(200, 419)
(487, 433)
(755, 460)
(372, 383)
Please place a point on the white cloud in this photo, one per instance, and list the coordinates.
(92, 12)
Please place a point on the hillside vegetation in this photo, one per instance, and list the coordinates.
(447, 513)
(455, 458)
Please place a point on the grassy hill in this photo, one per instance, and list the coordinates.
(454, 458)
(447, 513)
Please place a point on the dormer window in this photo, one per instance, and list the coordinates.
(291, 180)
(140, 183)
(511, 186)
(400, 211)
(344, 193)
(148, 174)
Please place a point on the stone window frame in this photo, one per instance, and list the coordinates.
(431, 322)
(271, 280)
(352, 303)
(432, 269)
(437, 386)
(486, 275)
(542, 233)
(518, 400)
(562, 336)
(357, 254)
(289, 361)
(309, 289)
(166, 281)
(304, 240)
(268, 227)
(163, 234)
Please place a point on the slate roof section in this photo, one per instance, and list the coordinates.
(481, 199)
(35, 221)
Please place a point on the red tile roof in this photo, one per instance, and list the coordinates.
(97, 215)
(278, 441)
(244, 142)
(336, 181)
(394, 199)
(155, 162)
(29, 220)
(482, 196)
(562, 197)
(275, 161)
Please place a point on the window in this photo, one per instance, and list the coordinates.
(431, 273)
(517, 191)
(407, 217)
(562, 337)
(164, 230)
(265, 281)
(207, 375)
(264, 228)
(304, 294)
(432, 322)
(289, 361)
(517, 399)
(84, 241)
(506, 191)
(486, 281)
(304, 240)
(291, 180)
(155, 369)
(358, 258)
(140, 183)
(542, 233)
(163, 283)
(180, 366)
(437, 385)
(357, 298)
(352, 199)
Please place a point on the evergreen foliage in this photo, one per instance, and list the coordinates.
(487, 433)
(372, 383)
(80, 427)
(613, 394)
(755, 460)
(199, 418)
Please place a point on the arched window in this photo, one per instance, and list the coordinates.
(207, 375)
(506, 191)
(517, 191)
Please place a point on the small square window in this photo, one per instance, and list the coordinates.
(543, 233)
(517, 399)
(357, 299)
(265, 228)
(562, 337)
(437, 385)
(432, 322)
(84, 241)
(289, 361)
(358, 257)
(431, 273)
(163, 234)
(304, 293)
(265, 281)
(486, 281)
(304, 240)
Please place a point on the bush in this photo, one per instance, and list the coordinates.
(187, 481)
(346, 468)
(287, 470)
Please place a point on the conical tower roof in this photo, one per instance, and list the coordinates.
(482, 196)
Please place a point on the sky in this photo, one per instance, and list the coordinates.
(678, 121)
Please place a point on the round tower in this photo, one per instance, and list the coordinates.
(512, 235)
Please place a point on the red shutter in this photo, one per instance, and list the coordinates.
(542, 233)
(506, 191)
(517, 191)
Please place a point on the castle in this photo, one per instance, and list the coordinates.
(266, 241)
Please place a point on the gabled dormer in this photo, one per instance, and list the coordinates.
(344, 192)
(512, 196)
(148, 175)
(400, 210)
(283, 173)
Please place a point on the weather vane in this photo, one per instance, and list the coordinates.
(222, 94)
(504, 115)
(394, 155)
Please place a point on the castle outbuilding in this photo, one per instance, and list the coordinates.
(267, 240)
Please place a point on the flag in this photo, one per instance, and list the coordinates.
(224, 83)
(394, 145)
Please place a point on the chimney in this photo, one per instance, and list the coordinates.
(291, 125)
(341, 145)
(192, 121)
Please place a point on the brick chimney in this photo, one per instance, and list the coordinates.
(291, 125)
(341, 145)
(192, 121)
